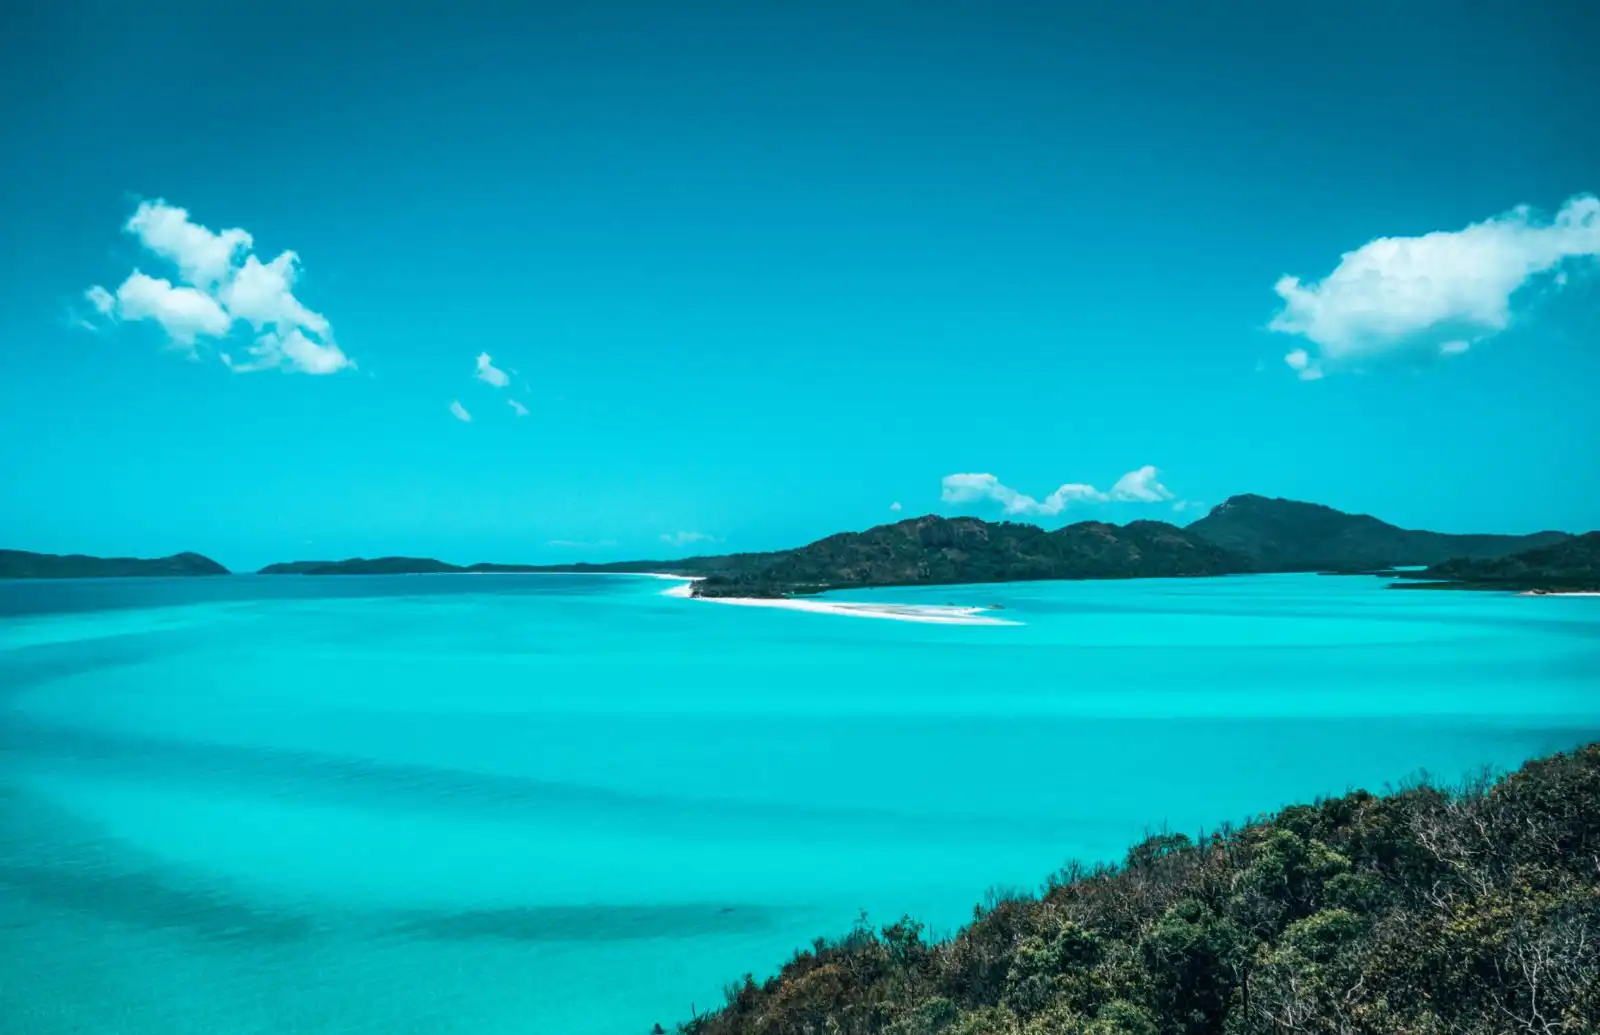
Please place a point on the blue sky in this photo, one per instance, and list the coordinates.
(758, 272)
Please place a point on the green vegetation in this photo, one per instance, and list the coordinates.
(364, 566)
(934, 550)
(1244, 534)
(430, 566)
(1423, 912)
(20, 564)
(1286, 535)
(1572, 565)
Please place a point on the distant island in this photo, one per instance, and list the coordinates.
(21, 564)
(1246, 534)
(1569, 566)
(935, 550)
(1288, 535)
(386, 566)
(1425, 910)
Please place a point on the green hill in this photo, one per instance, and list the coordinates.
(21, 564)
(1287, 535)
(1572, 565)
(936, 550)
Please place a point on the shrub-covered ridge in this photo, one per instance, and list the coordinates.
(1426, 912)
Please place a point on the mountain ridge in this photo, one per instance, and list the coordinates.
(934, 550)
(1285, 535)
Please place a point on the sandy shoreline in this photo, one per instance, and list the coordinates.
(933, 614)
(1560, 593)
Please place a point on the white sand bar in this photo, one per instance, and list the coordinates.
(932, 613)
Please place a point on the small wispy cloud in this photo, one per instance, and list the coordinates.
(459, 411)
(217, 291)
(1180, 506)
(686, 538)
(1141, 485)
(517, 407)
(102, 300)
(895, 506)
(488, 373)
(1436, 294)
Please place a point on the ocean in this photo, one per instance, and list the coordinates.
(570, 804)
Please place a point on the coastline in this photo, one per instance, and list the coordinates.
(932, 614)
(1559, 593)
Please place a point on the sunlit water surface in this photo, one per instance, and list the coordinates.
(569, 804)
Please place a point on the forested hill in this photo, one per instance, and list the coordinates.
(1419, 913)
(1287, 535)
(936, 550)
(1245, 534)
(1572, 565)
(21, 564)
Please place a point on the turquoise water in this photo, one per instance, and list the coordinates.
(569, 804)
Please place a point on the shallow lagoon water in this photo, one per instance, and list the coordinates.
(570, 804)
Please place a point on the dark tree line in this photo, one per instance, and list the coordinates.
(1427, 912)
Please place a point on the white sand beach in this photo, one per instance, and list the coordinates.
(931, 613)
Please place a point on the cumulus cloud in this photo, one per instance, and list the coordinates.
(223, 285)
(686, 538)
(293, 351)
(517, 408)
(489, 373)
(202, 257)
(460, 411)
(1440, 292)
(259, 293)
(183, 312)
(895, 506)
(968, 488)
(1141, 485)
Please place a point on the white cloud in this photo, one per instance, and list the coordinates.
(259, 293)
(202, 257)
(1140, 486)
(1137, 486)
(895, 506)
(460, 411)
(686, 538)
(1454, 348)
(1300, 361)
(183, 312)
(1179, 506)
(967, 488)
(489, 373)
(1444, 288)
(294, 352)
(103, 301)
(517, 407)
(220, 290)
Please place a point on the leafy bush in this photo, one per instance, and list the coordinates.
(1473, 912)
